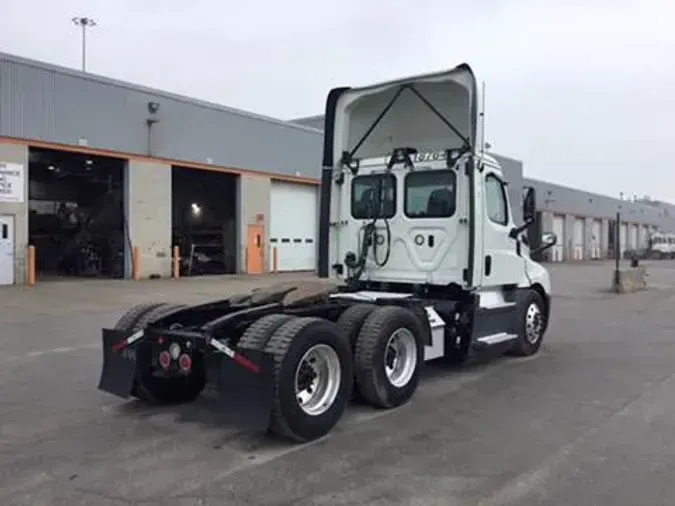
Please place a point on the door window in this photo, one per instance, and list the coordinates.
(495, 200)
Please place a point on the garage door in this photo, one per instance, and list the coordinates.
(293, 227)
(578, 239)
(644, 237)
(633, 240)
(559, 230)
(623, 232)
(596, 239)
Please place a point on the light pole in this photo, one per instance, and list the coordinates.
(84, 23)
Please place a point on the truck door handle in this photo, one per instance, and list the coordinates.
(488, 265)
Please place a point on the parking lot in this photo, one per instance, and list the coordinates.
(590, 420)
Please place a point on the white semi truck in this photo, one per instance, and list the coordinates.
(421, 259)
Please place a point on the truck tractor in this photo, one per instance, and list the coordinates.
(419, 259)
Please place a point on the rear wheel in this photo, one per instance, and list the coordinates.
(388, 357)
(351, 321)
(129, 319)
(260, 332)
(313, 377)
(160, 390)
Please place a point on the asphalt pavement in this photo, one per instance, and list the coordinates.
(588, 421)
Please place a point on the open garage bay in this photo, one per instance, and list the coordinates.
(588, 421)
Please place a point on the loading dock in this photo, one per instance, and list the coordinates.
(204, 220)
(76, 214)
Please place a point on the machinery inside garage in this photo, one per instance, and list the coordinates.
(293, 226)
(204, 218)
(76, 214)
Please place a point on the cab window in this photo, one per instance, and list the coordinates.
(430, 194)
(374, 194)
(495, 200)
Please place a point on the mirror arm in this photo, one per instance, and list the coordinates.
(544, 247)
(516, 231)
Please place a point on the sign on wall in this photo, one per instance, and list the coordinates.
(12, 182)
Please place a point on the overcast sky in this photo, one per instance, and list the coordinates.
(583, 95)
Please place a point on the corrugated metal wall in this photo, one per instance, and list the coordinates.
(52, 104)
(564, 200)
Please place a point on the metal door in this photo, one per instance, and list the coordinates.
(6, 250)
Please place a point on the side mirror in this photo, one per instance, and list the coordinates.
(529, 212)
(529, 205)
(548, 239)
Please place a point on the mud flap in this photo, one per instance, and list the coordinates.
(246, 387)
(119, 367)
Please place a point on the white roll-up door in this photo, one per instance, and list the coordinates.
(293, 227)
(578, 239)
(633, 241)
(596, 239)
(644, 237)
(559, 231)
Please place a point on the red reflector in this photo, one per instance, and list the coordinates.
(165, 359)
(119, 346)
(185, 362)
(242, 360)
(160, 340)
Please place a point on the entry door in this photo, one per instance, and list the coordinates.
(502, 264)
(255, 250)
(6, 250)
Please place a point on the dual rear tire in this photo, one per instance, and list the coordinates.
(318, 363)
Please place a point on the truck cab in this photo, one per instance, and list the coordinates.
(412, 196)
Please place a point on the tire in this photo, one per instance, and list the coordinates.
(261, 331)
(351, 320)
(157, 390)
(532, 323)
(289, 345)
(374, 384)
(129, 319)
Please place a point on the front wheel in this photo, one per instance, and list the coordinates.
(532, 322)
(313, 377)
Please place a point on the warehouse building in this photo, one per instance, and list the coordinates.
(104, 178)
(94, 169)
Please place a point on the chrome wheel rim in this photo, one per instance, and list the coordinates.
(533, 323)
(400, 357)
(317, 379)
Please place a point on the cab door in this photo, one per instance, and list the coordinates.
(502, 260)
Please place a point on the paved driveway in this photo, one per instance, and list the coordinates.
(588, 421)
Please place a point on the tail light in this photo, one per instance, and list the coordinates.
(165, 359)
(185, 363)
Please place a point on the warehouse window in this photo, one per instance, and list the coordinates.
(495, 200)
(430, 194)
(373, 192)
